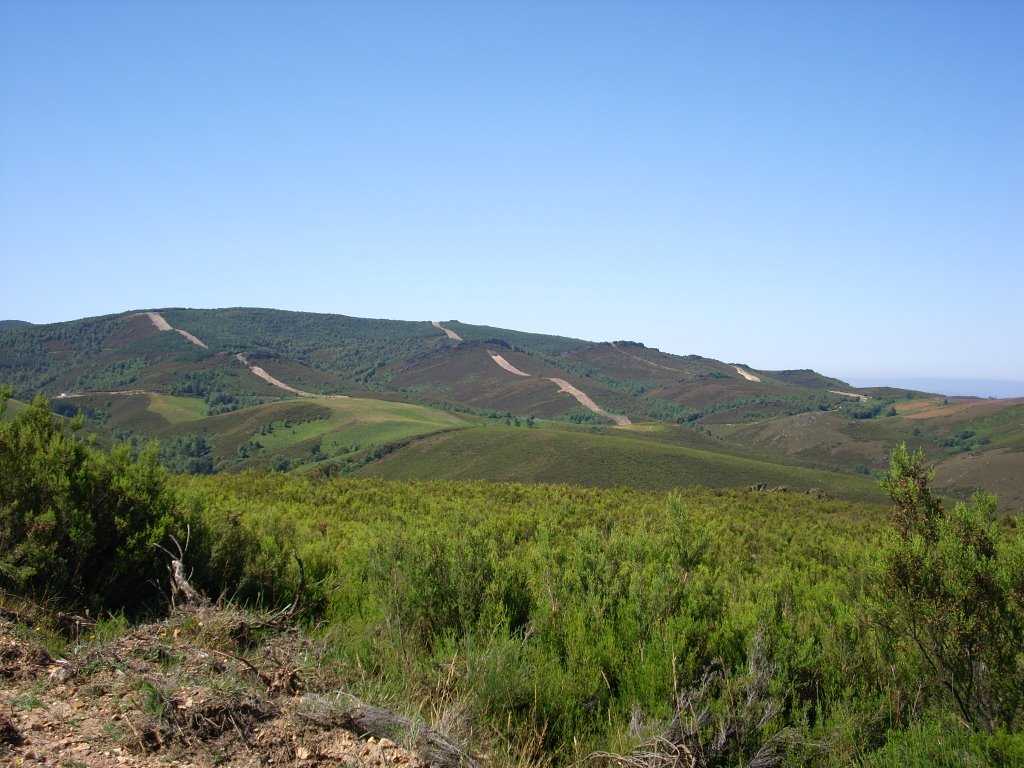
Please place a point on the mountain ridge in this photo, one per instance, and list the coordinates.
(121, 371)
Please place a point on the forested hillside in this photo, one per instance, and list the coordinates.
(213, 386)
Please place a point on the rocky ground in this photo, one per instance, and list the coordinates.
(207, 686)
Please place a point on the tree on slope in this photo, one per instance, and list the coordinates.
(952, 586)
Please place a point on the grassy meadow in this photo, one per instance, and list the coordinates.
(556, 623)
(607, 457)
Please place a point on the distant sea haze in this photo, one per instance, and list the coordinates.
(972, 387)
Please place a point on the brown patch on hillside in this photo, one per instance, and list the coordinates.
(958, 408)
(819, 438)
(205, 687)
(134, 328)
(646, 364)
(997, 471)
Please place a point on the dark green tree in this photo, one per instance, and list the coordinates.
(949, 586)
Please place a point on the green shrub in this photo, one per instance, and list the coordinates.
(948, 587)
(77, 524)
(938, 743)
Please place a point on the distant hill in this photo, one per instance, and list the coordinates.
(233, 388)
(334, 354)
(13, 323)
(957, 387)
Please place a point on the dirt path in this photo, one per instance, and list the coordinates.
(746, 374)
(506, 364)
(564, 386)
(191, 338)
(158, 321)
(860, 397)
(257, 371)
(66, 395)
(447, 332)
(162, 325)
(586, 402)
(642, 360)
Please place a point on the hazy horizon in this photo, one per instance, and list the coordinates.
(952, 387)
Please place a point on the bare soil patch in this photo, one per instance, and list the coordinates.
(162, 325)
(257, 371)
(860, 397)
(447, 331)
(158, 320)
(191, 338)
(746, 374)
(207, 686)
(585, 400)
(965, 407)
(506, 365)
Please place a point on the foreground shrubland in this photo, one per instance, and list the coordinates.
(553, 625)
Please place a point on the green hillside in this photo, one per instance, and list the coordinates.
(218, 388)
(335, 354)
(558, 454)
(286, 434)
(974, 443)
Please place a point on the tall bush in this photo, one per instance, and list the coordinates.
(949, 587)
(77, 524)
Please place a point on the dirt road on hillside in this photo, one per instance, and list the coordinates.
(860, 397)
(256, 370)
(447, 332)
(506, 364)
(746, 374)
(617, 348)
(586, 402)
(564, 386)
(66, 395)
(158, 321)
(162, 325)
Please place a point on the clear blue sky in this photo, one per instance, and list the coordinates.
(834, 185)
